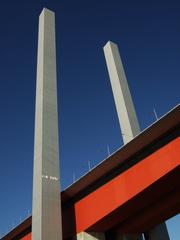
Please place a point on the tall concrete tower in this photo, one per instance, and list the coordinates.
(128, 121)
(122, 97)
(46, 212)
(124, 105)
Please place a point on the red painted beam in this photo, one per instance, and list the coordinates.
(154, 205)
(117, 192)
(147, 191)
(27, 237)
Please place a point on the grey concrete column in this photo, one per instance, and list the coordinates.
(122, 96)
(158, 233)
(127, 117)
(90, 236)
(124, 105)
(46, 210)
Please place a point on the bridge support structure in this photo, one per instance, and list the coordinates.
(127, 119)
(46, 210)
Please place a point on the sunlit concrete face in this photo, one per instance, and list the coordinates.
(122, 97)
(46, 214)
(90, 236)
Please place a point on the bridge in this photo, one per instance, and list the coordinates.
(133, 190)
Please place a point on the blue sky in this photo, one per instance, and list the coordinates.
(148, 36)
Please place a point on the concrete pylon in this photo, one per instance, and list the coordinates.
(124, 105)
(127, 119)
(46, 210)
(122, 96)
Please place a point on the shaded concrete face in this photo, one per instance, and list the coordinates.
(46, 215)
(158, 233)
(129, 237)
(122, 97)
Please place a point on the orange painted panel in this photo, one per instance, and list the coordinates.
(27, 237)
(128, 184)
